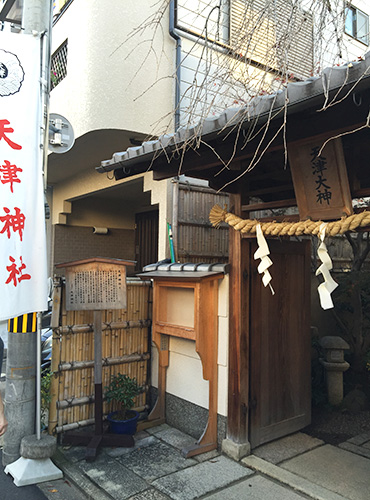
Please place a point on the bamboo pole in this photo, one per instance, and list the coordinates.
(55, 360)
(116, 325)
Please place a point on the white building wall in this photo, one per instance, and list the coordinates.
(101, 89)
(328, 50)
(161, 194)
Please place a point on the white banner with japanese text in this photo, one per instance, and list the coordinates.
(23, 275)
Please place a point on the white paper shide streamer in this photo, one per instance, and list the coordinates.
(263, 253)
(329, 285)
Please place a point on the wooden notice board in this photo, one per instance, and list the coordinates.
(320, 182)
(96, 284)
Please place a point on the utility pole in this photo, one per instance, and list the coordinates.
(22, 362)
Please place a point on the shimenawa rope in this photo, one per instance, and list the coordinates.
(350, 223)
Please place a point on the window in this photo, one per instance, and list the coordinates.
(58, 66)
(357, 24)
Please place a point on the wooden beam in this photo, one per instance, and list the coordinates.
(361, 193)
(270, 204)
(271, 189)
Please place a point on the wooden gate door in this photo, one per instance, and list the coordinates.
(280, 352)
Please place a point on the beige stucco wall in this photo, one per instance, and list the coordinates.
(110, 85)
(76, 202)
(89, 183)
(101, 89)
(184, 373)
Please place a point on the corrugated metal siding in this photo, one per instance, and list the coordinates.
(198, 241)
(280, 37)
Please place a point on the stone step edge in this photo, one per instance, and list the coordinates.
(80, 480)
(294, 481)
(353, 448)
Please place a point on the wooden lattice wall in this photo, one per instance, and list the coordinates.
(126, 350)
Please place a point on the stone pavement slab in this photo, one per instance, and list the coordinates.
(172, 436)
(256, 488)
(155, 470)
(143, 442)
(287, 447)
(74, 453)
(336, 469)
(74, 474)
(151, 494)
(152, 462)
(360, 450)
(119, 482)
(360, 440)
(194, 482)
(179, 440)
(60, 489)
(294, 481)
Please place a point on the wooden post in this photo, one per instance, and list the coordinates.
(238, 393)
(98, 355)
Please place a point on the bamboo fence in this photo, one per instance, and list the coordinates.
(126, 349)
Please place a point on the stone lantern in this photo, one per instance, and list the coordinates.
(334, 365)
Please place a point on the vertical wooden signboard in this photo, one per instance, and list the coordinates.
(96, 284)
(320, 181)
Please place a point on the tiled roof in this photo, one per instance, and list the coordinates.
(299, 95)
(187, 267)
(188, 270)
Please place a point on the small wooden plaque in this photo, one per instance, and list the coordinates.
(96, 284)
(320, 182)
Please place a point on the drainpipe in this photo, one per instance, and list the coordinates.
(177, 38)
(175, 180)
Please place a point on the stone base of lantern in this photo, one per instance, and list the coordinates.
(334, 380)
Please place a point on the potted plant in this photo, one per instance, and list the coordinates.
(123, 389)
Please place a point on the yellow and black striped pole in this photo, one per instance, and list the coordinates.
(21, 387)
(26, 323)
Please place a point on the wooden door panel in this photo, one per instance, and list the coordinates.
(146, 239)
(280, 344)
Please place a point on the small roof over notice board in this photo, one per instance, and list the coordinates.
(186, 272)
(96, 284)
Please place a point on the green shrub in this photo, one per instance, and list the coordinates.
(123, 389)
(45, 397)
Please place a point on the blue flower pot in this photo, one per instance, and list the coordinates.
(127, 426)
